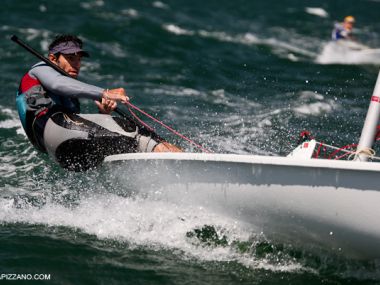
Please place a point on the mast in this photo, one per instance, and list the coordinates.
(367, 137)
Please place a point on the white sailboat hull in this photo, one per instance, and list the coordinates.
(348, 52)
(315, 203)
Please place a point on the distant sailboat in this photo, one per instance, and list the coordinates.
(348, 52)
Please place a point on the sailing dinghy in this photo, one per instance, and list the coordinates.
(299, 199)
(348, 52)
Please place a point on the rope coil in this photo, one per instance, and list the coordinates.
(366, 151)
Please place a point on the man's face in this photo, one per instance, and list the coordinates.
(68, 62)
(348, 25)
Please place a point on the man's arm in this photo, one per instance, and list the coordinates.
(62, 85)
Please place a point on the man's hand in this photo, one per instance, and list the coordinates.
(166, 147)
(117, 94)
(106, 106)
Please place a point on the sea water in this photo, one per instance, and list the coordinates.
(236, 76)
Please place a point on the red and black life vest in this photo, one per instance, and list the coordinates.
(27, 82)
(34, 103)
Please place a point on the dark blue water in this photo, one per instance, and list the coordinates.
(237, 76)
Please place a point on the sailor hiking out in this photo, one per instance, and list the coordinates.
(343, 31)
(49, 110)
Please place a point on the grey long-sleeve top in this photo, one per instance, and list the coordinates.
(63, 89)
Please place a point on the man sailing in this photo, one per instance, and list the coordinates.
(343, 30)
(49, 110)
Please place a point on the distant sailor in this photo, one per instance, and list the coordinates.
(49, 110)
(344, 30)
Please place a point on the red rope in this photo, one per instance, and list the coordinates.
(162, 124)
(343, 155)
(338, 150)
(140, 121)
(318, 151)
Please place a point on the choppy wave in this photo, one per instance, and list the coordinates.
(282, 48)
(161, 5)
(142, 222)
(31, 34)
(92, 4)
(314, 104)
(317, 11)
(10, 120)
(17, 157)
(130, 12)
(189, 231)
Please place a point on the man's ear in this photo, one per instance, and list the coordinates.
(52, 58)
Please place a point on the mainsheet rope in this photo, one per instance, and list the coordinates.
(367, 151)
(130, 105)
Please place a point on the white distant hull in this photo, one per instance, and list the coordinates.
(348, 52)
(317, 203)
